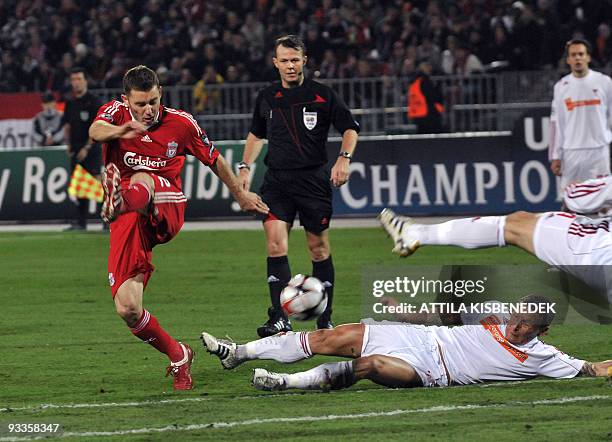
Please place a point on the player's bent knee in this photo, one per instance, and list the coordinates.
(144, 178)
(129, 313)
(368, 367)
(387, 371)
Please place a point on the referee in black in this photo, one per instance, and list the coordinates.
(294, 115)
(79, 113)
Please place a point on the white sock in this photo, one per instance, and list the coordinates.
(469, 233)
(286, 347)
(333, 375)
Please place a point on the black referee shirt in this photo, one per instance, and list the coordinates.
(79, 113)
(296, 122)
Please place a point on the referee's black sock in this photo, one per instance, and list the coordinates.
(279, 275)
(324, 271)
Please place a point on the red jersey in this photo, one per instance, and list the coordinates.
(161, 149)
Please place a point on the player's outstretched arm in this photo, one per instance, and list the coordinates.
(249, 201)
(102, 131)
(593, 369)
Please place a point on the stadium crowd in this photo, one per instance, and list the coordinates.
(228, 41)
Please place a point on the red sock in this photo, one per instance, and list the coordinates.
(135, 197)
(149, 330)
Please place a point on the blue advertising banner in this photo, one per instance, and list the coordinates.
(453, 173)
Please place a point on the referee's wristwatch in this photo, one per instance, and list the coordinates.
(243, 165)
(345, 154)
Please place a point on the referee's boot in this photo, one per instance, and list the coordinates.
(277, 323)
(324, 321)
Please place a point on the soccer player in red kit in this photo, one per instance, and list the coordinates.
(145, 144)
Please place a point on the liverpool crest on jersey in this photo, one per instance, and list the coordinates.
(310, 119)
(172, 147)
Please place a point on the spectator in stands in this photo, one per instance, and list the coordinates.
(477, 45)
(385, 38)
(186, 78)
(429, 51)
(550, 23)
(425, 103)
(329, 65)
(397, 58)
(64, 71)
(408, 67)
(48, 127)
(126, 45)
(254, 32)
(500, 49)
(465, 62)
(335, 31)
(526, 31)
(316, 47)
(36, 33)
(114, 78)
(449, 54)
(603, 45)
(162, 74)
(100, 64)
(348, 69)
(204, 98)
(11, 73)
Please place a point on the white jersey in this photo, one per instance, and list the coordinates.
(581, 113)
(590, 196)
(478, 353)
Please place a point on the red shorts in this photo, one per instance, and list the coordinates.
(133, 235)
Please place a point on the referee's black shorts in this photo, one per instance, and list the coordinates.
(306, 192)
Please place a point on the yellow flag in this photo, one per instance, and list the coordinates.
(84, 186)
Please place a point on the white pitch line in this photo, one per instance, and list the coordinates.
(532, 381)
(43, 407)
(296, 419)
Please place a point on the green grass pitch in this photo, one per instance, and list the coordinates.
(67, 358)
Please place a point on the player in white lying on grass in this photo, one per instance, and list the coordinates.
(501, 348)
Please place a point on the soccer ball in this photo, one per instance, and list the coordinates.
(304, 298)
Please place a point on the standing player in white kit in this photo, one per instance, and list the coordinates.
(580, 119)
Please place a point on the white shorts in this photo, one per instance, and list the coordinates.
(413, 344)
(583, 164)
(563, 239)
